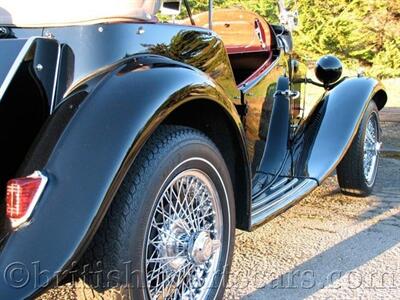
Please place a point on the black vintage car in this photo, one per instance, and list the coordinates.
(131, 149)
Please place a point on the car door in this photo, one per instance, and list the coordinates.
(258, 94)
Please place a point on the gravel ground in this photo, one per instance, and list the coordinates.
(329, 246)
(391, 136)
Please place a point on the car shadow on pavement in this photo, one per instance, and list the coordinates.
(325, 269)
(386, 194)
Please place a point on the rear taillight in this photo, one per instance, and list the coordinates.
(22, 196)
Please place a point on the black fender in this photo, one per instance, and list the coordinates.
(86, 149)
(331, 127)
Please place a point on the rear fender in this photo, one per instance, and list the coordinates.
(329, 130)
(98, 135)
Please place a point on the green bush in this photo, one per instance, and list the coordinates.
(387, 62)
(360, 32)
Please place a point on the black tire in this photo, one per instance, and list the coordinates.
(350, 171)
(118, 249)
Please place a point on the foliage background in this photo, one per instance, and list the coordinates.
(361, 32)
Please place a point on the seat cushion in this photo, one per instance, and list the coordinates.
(48, 13)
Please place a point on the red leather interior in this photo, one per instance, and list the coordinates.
(247, 38)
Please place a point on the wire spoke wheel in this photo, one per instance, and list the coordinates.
(170, 231)
(357, 172)
(371, 149)
(183, 247)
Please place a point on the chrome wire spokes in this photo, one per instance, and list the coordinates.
(184, 240)
(371, 149)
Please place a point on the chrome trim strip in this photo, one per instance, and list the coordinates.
(261, 201)
(53, 95)
(245, 86)
(210, 14)
(279, 183)
(283, 202)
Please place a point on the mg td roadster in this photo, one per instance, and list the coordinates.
(132, 148)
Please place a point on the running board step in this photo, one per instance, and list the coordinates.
(274, 192)
(280, 196)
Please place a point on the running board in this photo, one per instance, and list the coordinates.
(280, 196)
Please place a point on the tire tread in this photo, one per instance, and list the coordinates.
(350, 171)
(106, 245)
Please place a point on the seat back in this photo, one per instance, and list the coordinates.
(241, 31)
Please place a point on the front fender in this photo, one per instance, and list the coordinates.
(94, 149)
(331, 127)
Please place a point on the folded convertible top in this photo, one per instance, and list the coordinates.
(49, 13)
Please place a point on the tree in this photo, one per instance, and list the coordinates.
(360, 32)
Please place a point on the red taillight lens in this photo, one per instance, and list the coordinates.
(22, 195)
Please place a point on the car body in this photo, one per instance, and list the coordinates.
(79, 100)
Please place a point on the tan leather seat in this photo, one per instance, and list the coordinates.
(238, 29)
(46, 13)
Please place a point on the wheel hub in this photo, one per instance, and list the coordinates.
(198, 247)
(203, 247)
(174, 244)
(183, 245)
